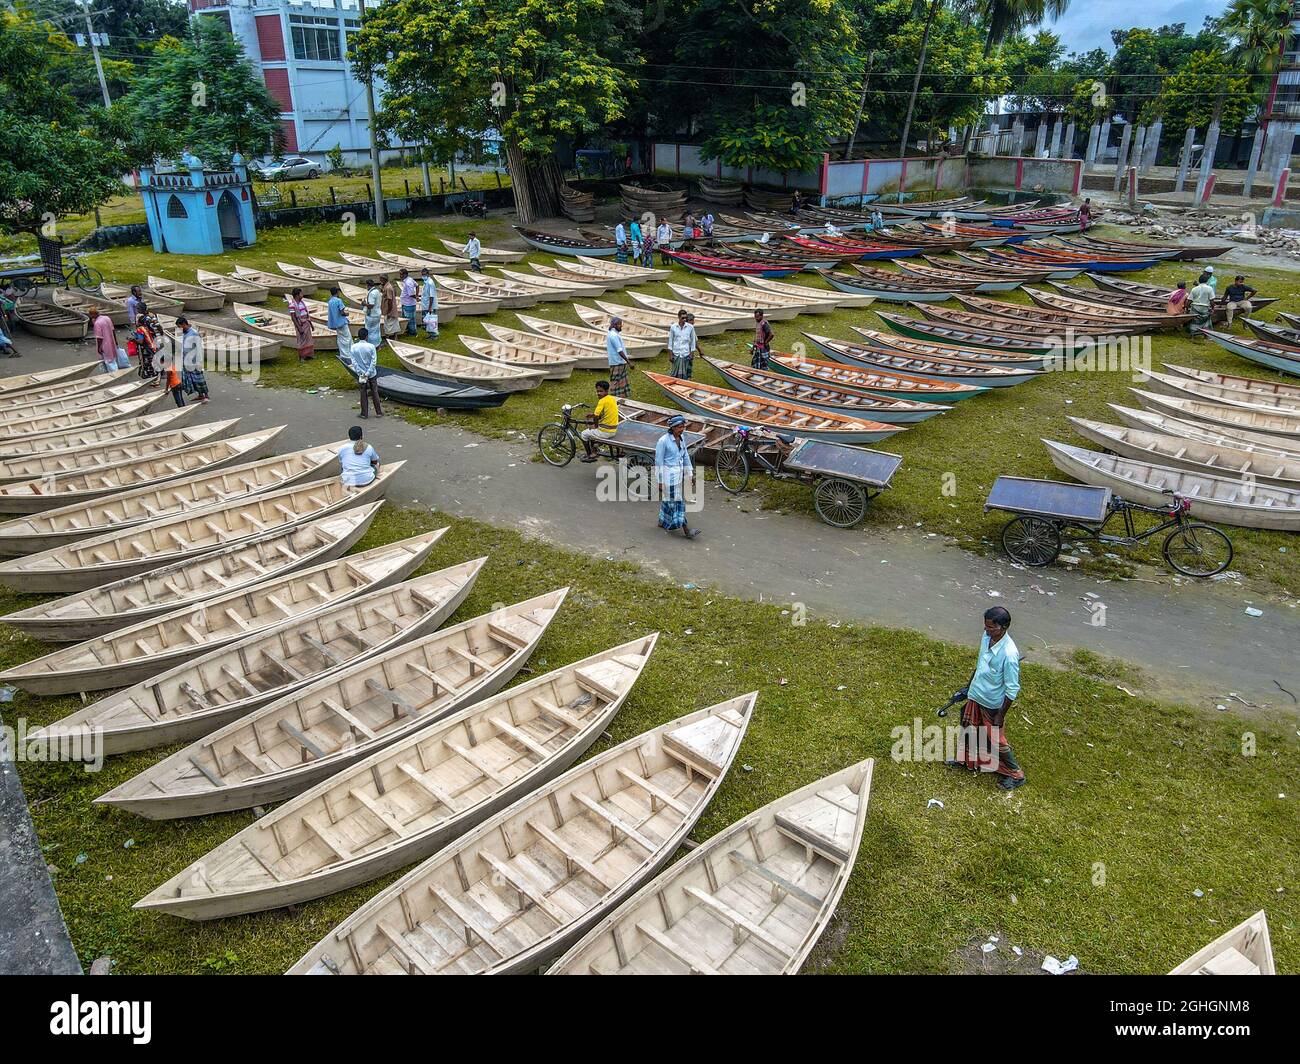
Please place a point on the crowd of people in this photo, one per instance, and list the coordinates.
(1203, 299)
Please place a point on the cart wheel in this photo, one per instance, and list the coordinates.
(1197, 550)
(87, 278)
(556, 444)
(1031, 541)
(732, 468)
(839, 502)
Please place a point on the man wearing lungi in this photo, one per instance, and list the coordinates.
(992, 691)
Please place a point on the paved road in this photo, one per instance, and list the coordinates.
(1195, 642)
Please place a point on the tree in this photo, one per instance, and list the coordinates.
(536, 70)
(57, 157)
(1258, 31)
(1205, 89)
(1006, 18)
(201, 93)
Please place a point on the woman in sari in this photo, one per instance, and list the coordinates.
(374, 313)
(302, 326)
(146, 336)
(1177, 303)
(392, 320)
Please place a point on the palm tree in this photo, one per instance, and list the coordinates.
(1006, 18)
(1258, 29)
(930, 15)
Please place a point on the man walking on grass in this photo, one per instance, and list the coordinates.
(993, 689)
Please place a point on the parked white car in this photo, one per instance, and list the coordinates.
(289, 168)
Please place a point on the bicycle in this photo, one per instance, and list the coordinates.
(558, 441)
(470, 208)
(57, 271)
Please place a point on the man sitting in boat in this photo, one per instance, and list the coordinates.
(1238, 296)
(603, 421)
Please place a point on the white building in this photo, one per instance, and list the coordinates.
(300, 49)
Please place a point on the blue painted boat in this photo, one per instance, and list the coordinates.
(1275, 356)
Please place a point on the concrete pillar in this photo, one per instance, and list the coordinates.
(1153, 145)
(1132, 177)
(1040, 141)
(1279, 190)
(1090, 155)
(1056, 139)
(1121, 160)
(1139, 146)
(1103, 140)
(1252, 167)
(1207, 158)
(1017, 138)
(1185, 158)
(1068, 152)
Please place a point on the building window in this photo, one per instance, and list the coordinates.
(315, 38)
(175, 208)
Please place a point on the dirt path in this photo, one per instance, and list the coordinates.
(1195, 643)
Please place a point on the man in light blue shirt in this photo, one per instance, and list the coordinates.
(364, 360)
(992, 691)
(616, 354)
(620, 242)
(672, 468)
(337, 320)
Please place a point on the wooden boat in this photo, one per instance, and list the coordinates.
(577, 205)
(84, 387)
(896, 385)
(969, 336)
(276, 284)
(1055, 269)
(463, 370)
(75, 299)
(413, 389)
(979, 356)
(1225, 500)
(752, 900)
(292, 743)
(132, 654)
(724, 192)
(485, 254)
(1231, 418)
(584, 357)
(1288, 339)
(1181, 252)
(22, 383)
(614, 274)
(415, 265)
(714, 431)
(900, 291)
(448, 305)
(103, 433)
(563, 278)
(719, 266)
(192, 297)
(156, 301)
(319, 312)
(1216, 459)
(228, 682)
(732, 304)
(1248, 385)
(775, 414)
(541, 288)
(1281, 405)
(1245, 950)
(232, 288)
(240, 350)
(838, 400)
(186, 583)
(42, 531)
(564, 245)
(1137, 293)
(1201, 432)
(56, 488)
(1069, 334)
(408, 800)
(14, 436)
(730, 319)
(1045, 316)
(374, 267)
(130, 551)
(272, 325)
(544, 870)
(1055, 301)
(810, 303)
(50, 320)
(512, 298)
(632, 329)
(346, 271)
(1274, 355)
(642, 321)
(799, 291)
(980, 266)
(13, 415)
(937, 272)
(861, 356)
(305, 275)
(581, 336)
(552, 365)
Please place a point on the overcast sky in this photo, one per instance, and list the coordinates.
(1087, 23)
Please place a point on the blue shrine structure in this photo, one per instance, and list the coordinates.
(197, 211)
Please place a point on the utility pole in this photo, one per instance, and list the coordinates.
(380, 218)
(862, 104)
(94, 48)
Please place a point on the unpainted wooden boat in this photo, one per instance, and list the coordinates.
(752, 900)
(972, 336)
(1249, 385)
(232, 288)
(485, 254)
(1232, 418)
(1277, 356)
(21, 383)
(14, 436)
(76, 299)
(800, 291)
(586, 357)
(613, 273)
(456, 262)
(655, 322)
(775, 414)
(82, 386)
(632, 330)
(1217, 459)
(319, 312)
(812, 303)
(408, 800)
(89, 614)
(292, 743)
(565, 287)
(989, 328)
(1245, 950)
(239, 350)
(553, 366)
(43, 531)
(534, 878)
(464, 370)
(14, 414)
(448, 306)
(192, 296)
(714, 431)
(1203, 432)
(415, 265)
(132, 654)
(54, 489)
(900, 291)
(347, 271)
(584, 337)
(938, 272)
(223, 684)
(276, 326)
(375, 267)
(523, 293)
(896, 385)
(837, 399)
(498, 295)
(130, 551)
(1222, 499)
(1273, 402)
(50, 320)
(1105, 311)
(306, 275)
(729, 319)
(565, 245)
(733, 304)
(111, 432)
(863, 356)
(155, 301)
(275, 283)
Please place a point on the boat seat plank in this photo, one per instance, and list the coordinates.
(381, 814)
(473, 922)
(825, 825)
(413, 957)
(326, 652)
(206, 772)
(1230, 962)
(739, 922)
(678, 951)
(704, 743)
(562, 715)
(616, 822)
(351, 721)
(239, 680)
(522, 738)
(474, 660)
(532, 889)
(571, 854)
(337, 845)
(283, 665)
(301, 739)
(473, 759)
(426, 784)
(401, 707)
(258, 761)
(654, 792)
(776, 879)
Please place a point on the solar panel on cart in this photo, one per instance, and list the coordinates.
(638, 436)
(1049, 498)
(840, 460)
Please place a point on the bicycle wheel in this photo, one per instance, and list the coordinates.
(732, 468)
(556, 444)
(839, 502)
(1031, 541)
(87, 278)
(1197, 550)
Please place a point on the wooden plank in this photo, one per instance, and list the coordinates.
(677, 950)
(350, 720)
(469, 918)
(520, 737)
(776, 879)
(383, 815)
(571, 854)
(738, 921)
(528, 887)
(653, 791)
(616, 822)
(301, 739)
(422, 780)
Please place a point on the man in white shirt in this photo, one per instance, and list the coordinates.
(473, 249)
(365, 367)
(358, 461)
(664, 237)
(682, 345)
(429, 304)
(1201, 299)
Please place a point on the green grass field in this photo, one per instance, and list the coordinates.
(963, 451)
(1133, 806)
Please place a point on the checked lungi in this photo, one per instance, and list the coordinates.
(989, 724)
(619, 385)
(672, 508)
